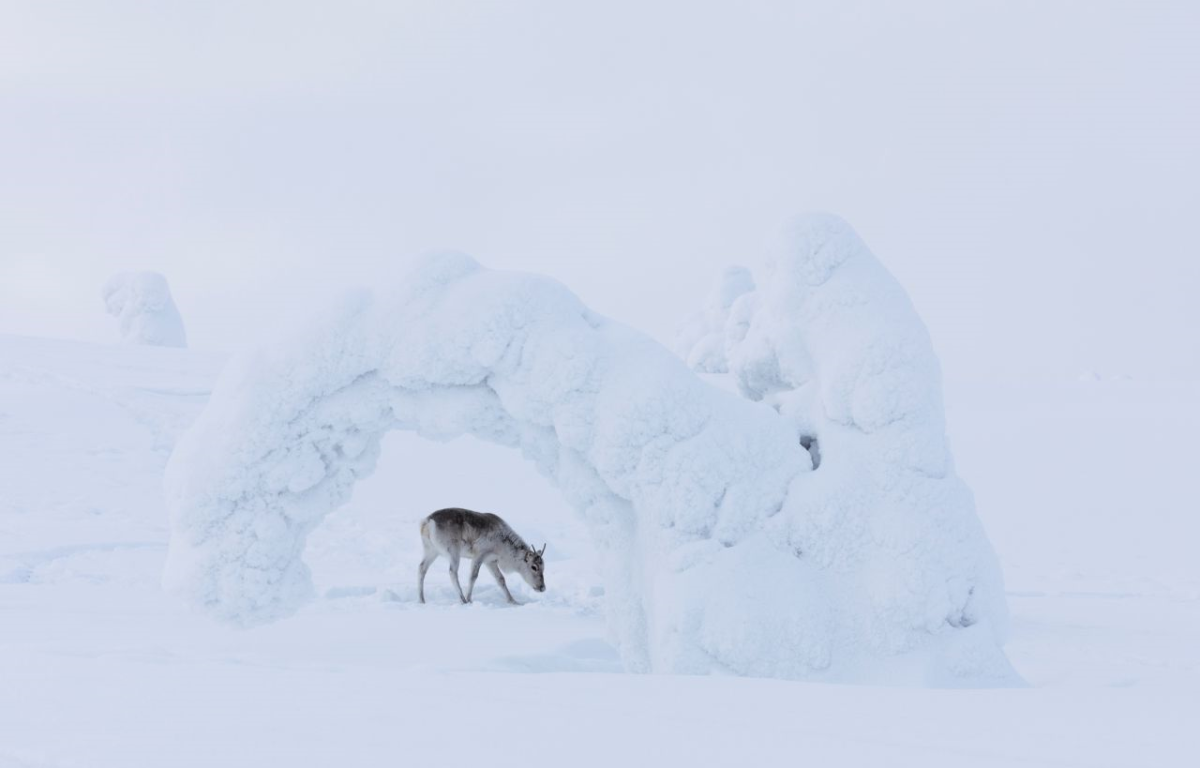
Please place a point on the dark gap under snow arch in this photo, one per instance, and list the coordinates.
(370, 546)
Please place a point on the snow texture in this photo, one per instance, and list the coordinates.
(721, 549)
(142, 302)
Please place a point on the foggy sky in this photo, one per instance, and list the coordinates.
(1028, 170)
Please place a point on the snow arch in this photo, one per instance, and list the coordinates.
(721, 549)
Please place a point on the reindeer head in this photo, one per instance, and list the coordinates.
(534, 569)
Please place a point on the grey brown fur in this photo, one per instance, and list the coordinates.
(485, 537)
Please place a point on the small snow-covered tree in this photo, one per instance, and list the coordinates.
(142, 302)
(703, 339)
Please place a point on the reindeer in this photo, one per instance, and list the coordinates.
(486, 538)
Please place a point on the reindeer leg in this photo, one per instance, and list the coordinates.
(495, 569)
(426, 561)
(454, 577)
(475, 566)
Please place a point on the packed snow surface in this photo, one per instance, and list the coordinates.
(98, 668)
(722, 550)
(142, 302)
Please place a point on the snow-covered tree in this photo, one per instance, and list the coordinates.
(724, 547)
(143, 304)
(704, 338)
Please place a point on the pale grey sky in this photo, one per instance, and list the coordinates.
(1027, 169)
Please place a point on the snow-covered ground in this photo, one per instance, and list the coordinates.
(1083, 486)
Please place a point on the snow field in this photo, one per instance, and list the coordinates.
(100, 668)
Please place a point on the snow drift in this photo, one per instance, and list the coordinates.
(142, 302)
(722, 549)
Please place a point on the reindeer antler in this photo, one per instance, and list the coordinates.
(543, 550)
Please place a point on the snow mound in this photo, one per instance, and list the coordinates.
(721, 549)
(142, 302)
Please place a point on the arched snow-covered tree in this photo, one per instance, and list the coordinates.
(722, 548)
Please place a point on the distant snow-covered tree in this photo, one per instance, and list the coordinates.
(704, 338)
(142, 302)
